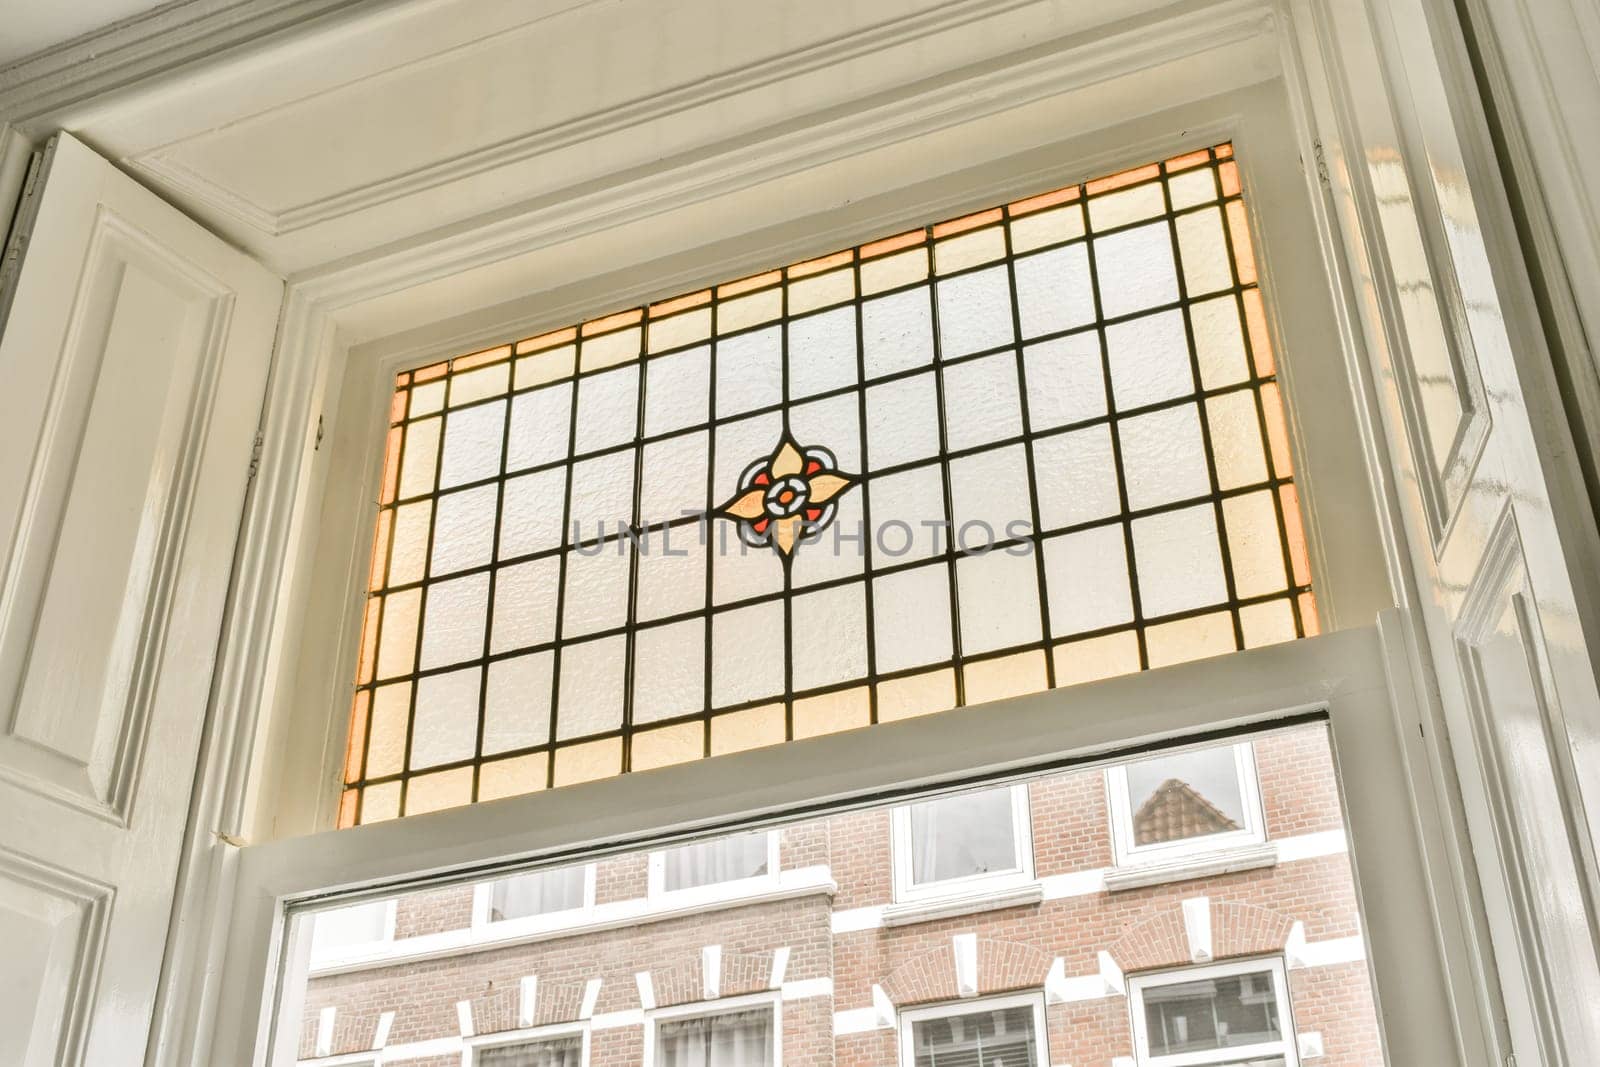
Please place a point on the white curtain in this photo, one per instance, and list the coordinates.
(953, 837)
(732, 1039)
(721, 860)
(558, 1052)
(537, 893)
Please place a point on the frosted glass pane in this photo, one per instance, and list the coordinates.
(1066, 381)
(974, 312)
(749, 371)
(830, 636)
(891, 272)
(901, 503)
(669, 668)
(1219, 342)
(525, 604)
(838, 551)
(822, 352)
(1255, 550)
(1179, 561)
(989, 493)
(1076, 475)
(421, 455)
(426, 399)
(677, 390)
(911, 617)
(1192, 187)
(530, 514)
(1135, 269)
(902, 421)
(834, 423)
(829, 713)
(1205, 252)
(610, 349)
(472, 440)
(1149, 359)
(1054, 291)
(673, 480)
(517, 712)
(747, 653)
(672, 576)
(597, 589)
(386, 745)
(1236, 439)
(602, 492)
(456, 613)
(740, 571)
(591, 687)
(608, 409)
(445, 728)
(740, 444)
(410, 545)
(981, 402)
(1046, 228)
(463, 534)
(541, 422)
(1267, 624)
(897, 332)
(999, 601)
(821, 291)
(969, 250)
(1087, 577)
(397, 650)
(1163, 457)
(1126, 206)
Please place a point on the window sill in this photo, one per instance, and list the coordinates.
(1194, 865)
(970, 902)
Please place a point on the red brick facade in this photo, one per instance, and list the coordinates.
(844, 967)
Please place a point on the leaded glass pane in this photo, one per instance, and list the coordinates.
(1029, 447)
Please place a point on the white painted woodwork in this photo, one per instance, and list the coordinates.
(134, 362)
(1498, 531)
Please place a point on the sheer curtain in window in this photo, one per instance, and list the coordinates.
(954, 837)
(537, 893)
(555, 1052)
(732, 1039)
(724, 859)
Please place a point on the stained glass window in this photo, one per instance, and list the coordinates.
(1028, 447)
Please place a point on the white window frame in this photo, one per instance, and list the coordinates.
(362, 949)
(1342, 673)
(1124, 842)
(1287, 1047)
(471, 1045)
(483, 904)
(905, 888)
(714, 892)
(722, 1006)
(908, 1052)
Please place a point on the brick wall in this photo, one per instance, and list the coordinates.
(1252, 913)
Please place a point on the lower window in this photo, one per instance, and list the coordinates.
(1233, 1014)
(563, 1051)
(1006, 1032)
(744, 1037)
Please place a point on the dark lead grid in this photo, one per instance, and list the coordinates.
(871, 568)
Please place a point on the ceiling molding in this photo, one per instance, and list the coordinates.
(631, 114)
(156, 44)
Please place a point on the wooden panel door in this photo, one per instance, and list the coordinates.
(1502, 539)
(133, 362)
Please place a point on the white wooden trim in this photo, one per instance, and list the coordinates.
(1286, 1048)
(909, 1016)
(970, 886)
(1129, 853)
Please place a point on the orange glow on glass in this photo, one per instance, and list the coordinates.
(1277, 429)
(479, 359)
(1295, 534)
(745, 285)
(893, 244)
(397, 405)
(1042, 201)
(428, 374)
(967, 222)
(1224, 151)
(347, 808)
(391, 466)
(1126, 178)
(369, 642)
(817, 266)
(547, 340)
(1255, 320)
(1228, 174)
(1243, 254)
(380, 550)
(1310, 621)
(680, 303)
(1191, 159)
(358, 737)
(630, 317)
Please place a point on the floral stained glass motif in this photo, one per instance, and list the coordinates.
(788, 496)
(1032, 446)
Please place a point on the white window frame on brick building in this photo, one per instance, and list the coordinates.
(907, 889)
(1128, 852)
(384, 910)
(908, 1051)
(705, 1009)
(711, 892)
(1274, 966)
(530, 1036)
(555, 919)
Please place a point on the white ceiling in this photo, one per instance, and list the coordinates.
(29, 26)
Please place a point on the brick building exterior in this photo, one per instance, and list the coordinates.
(850, 953)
